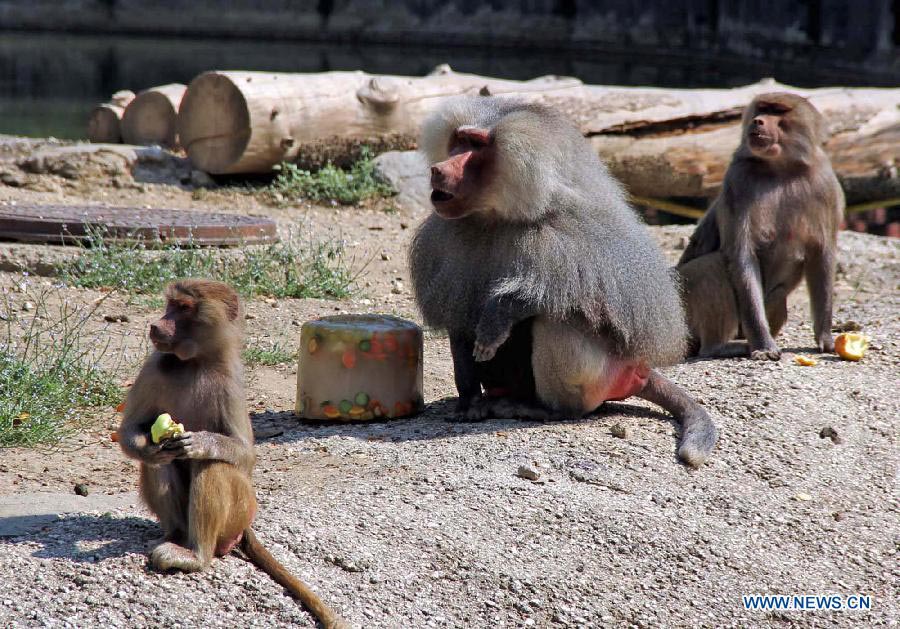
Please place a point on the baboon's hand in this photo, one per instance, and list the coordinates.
(193, 445)
(486, 351)
(767, 352)
(825, 342)
(157, 454)
(470, 408)
(488, 342)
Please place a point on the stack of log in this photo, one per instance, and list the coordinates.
(662, 143)
(105, 121)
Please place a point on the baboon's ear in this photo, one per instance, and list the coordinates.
(232, 306)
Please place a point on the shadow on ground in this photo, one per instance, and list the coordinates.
(435, 422)
(91, 538)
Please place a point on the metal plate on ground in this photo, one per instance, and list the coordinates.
(71, 224)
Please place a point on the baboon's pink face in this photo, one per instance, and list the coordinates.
(458, 181)
(766, 128)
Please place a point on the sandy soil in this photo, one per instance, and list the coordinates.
(425, 522)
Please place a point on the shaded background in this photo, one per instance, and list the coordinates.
(59, 57)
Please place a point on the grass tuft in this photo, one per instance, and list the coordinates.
(270, 355)
(330, 184)
(50, 370)
(290, 268)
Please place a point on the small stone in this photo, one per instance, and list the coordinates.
(620, 431)
(528, 473)
(13, 178)
(385, 256)
(830, 433)
(116, 318)
(847, 326)
(803, 497)
(404, 226)
(28, 306)
(81, 489)
(397, 287)
(838, 516)
(200, 179)
(250, 316)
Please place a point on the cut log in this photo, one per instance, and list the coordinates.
(866, 161)
(105, 121)
(151, 118)
(247, 122)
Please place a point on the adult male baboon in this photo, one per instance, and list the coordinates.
(554, 295)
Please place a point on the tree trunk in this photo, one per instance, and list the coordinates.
(151, 118)
(866, 161)
(105, 121)
(247, 122)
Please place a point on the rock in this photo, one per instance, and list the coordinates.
(81, 489)
(528, 473)
(200, 179)
(803, 497)
(28, 306)
(830, 433)
(116, 318)
(407, 173)
(385, 256)
(397, 287)
(350, 565)
(14, 178)
(249, 316)
(620, 431)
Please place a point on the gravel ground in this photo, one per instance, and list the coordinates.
(427, 522)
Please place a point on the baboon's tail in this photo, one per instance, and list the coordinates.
(263, 559)
(698, 433)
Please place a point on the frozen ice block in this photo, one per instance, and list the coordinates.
(359, 367)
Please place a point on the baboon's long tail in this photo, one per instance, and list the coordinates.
(263, 559)
(698, 433)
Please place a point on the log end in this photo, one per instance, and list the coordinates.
(104, 125)
(150, 119)
(214, 122)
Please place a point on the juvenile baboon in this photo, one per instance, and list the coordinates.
(555, 297)
(774, 222)
(198, 484)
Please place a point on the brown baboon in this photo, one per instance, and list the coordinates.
(774, 223)
(554, 295)
(198, 483)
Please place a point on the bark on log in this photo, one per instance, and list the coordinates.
(151, 118)
(866, 161)
(247, 122)
(105, 121)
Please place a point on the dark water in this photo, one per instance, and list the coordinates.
(50, 81)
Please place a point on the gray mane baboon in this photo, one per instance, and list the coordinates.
(554, 295)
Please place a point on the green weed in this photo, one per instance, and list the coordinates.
(50, 370)
(287, 269)
(345, 186)
(269, 355)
